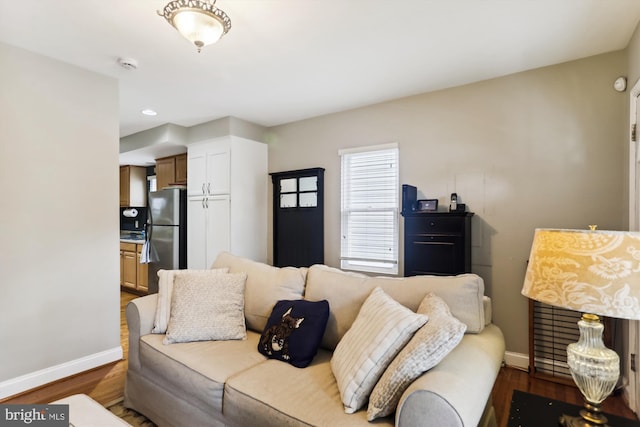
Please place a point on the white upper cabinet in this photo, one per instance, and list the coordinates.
(227, 211)
(209, 168)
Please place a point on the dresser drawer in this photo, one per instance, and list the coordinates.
(434, 225)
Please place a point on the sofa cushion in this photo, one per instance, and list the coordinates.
(426, 349)
(165, 293)
(199, 369)
(346, 291)
(207, 306)
(382, 328)
(276, 394)
(294, 331)
(265, 286)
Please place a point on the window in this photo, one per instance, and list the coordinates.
(369, 209)
(152, 183)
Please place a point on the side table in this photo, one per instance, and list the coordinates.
(531, 410)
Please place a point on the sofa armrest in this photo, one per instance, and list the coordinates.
(141, 313)
(456, 391)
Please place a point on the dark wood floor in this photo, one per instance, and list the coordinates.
(106, 385)
(511, 379)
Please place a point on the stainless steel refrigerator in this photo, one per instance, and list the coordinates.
(166, 233)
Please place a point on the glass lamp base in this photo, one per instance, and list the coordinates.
(595, 370)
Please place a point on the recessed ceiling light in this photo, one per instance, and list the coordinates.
(149, 112)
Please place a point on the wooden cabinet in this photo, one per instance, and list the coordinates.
(129, 271)
(133, 275)
(133, 186)
(171, 170)
(181, 168)
(142, 272)
(437, 243)
(227, 200)
(165, 172)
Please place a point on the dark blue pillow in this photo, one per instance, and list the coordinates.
(294, 331)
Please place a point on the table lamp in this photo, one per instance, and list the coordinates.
(598, 274)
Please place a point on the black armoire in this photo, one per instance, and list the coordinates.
(298, 217)
(437, 243)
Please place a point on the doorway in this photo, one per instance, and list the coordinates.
(631, 368)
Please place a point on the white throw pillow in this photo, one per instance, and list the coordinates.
(207, 307)
(165, 291)
(382, 327)
(266, 285)
(426, 349)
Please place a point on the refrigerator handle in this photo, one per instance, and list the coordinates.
(209, 188)
(203, 188)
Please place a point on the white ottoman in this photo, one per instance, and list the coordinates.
(86, 412)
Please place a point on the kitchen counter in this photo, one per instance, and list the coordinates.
(134, 241)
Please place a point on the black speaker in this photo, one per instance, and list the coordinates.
(409, 197)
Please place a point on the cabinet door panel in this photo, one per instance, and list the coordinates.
(165, 172)
(218, 171)
(124, 185)
(196, 173)
(181, 168)
(218, 227)
(196, 234)
(129, 271)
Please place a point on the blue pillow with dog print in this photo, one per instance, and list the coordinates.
(294, 331)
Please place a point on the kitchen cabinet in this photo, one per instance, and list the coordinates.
(171, 170)
(133, 275)
(208, 169)
(211, 214)
(142, 282)
(165, 172)
(181, 168)
(437, 243)
(128, 261)
(133, 186)
(227, 200)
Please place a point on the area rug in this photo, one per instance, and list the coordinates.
(531, 410)
(129, 415)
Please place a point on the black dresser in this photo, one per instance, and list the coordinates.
(437, 243)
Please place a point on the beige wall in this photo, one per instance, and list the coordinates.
(633, 50)
(543, 148)
(59, 301)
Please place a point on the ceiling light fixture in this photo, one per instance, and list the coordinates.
(199, 21)
(149, 112)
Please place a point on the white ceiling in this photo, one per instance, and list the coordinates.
(286, 60)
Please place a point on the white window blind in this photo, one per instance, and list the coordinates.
(369, 209)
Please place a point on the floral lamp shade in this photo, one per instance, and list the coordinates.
(590, 271)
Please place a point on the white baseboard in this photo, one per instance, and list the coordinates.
(44, 376)
(517, 360)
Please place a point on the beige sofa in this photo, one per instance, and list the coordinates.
(231, 383)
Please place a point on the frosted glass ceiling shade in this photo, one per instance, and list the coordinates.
(199, 21)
